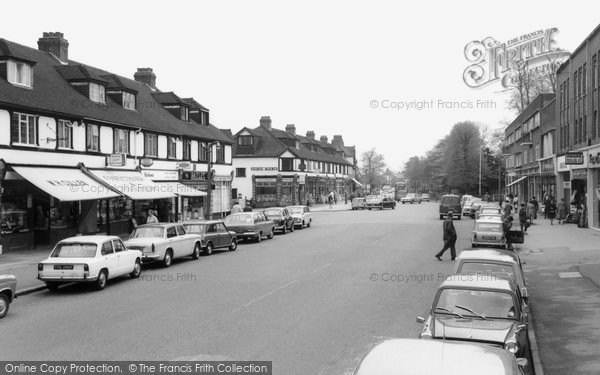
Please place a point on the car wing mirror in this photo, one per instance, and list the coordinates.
(524, 292)
(522, 362)
(420, 319)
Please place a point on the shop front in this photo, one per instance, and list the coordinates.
(547, 179)
(594, 184)
(221, 195)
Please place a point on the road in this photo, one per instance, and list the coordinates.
(312, 301)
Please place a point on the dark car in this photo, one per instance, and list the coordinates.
(376, 201)
(250, 225)
(215, 235)
(282, 218)
(8, 288)
(450, 202)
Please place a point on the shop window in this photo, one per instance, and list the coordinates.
(92, 137)
(64, 215)
(14, 210)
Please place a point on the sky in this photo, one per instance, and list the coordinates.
(334, 67)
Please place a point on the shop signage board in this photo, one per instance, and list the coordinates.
(158, 175)
(263, 168)
(192, 176)
(574, 158)
(186, 165)
(548, 165)
(146, 162)
(116, 160)
(594, 159)
(567, 184)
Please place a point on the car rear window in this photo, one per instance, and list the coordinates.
(74, 250)
(195, 228)
(450, 200)
(239, 219)
(489, 227)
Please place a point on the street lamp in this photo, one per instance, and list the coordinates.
(209, 178)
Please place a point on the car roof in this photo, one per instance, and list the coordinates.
(425, 357)
(295, 206)
(496, 282)
(489, 219)
(161, 224)
(488, 255)
(199, 221)
(93, 238)
(450, 195)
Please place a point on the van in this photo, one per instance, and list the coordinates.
(450, 202)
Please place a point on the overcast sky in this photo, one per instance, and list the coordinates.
(315, 64)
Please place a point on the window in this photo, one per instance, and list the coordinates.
(584, 78)
(202, 151)
(184, 113)
(595, 71)
(171, 232)
(203, 118)
(107, 248)
(128, 100)
(287, 164)
(92, 137)
(245, 140)
(594, 134)
(97, 93)
(64, 134)
(151, 145)
(240, 172)
(20, 73)
(187, 149)
(24, 129)
(118, 246)
(121, 141)
(171, 148)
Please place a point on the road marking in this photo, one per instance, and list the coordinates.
(265, 295)
(320, 268)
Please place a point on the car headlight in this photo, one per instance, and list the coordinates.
(512, 347)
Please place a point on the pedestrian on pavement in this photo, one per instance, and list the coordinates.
(508, 208)
(236, 208)
(515, 201)
(523, 218)
(530, 211)
(506, 225)
(449, 237)
(151, 219)
(562, 211)
(551, 210)
(536, 207)
(330, 199)
(247, 207)
(546, 205)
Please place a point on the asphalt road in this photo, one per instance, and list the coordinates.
(312, 301)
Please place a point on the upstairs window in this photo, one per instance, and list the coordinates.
(202, 151)
(97, 93)
(24, 129)
(184, 113)
(128, 100)
(64, 134)
(245, 140)
(20, 73)
(287, 164)
(171, 148)
(219, 153)
(204, 118)
(151, 145)
(121, 141)
(187, 149)
(92, 137)
(240, 172)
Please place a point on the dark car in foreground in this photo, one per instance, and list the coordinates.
(214, 235)
(377, 201)
(282, 218)
(250, 225)
(8, 289)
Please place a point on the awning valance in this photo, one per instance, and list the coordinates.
(181, 189)
(356, 182)
(517, 180)
(133, 184)
(65, 184)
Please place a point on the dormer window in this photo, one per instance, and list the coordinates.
(97, 93)
(204, 118)
(245, 140)
(20, 73)
(128, 100)
(184, 113)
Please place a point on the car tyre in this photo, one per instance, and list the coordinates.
(284, 231)
(168, 259)
(259, 237)
(309, 222)
(101, 281)
(233, 245)
(137, 270)
(271, 234)
(53, 287)
(209, 249)
(459, 217)
(196, 252)
(4, 305)
(292, 227)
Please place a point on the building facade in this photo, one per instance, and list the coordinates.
(275, 167)
(86, 151)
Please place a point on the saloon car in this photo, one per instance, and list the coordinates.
(282, 218)
(484, 309)
(359, 203)
(376, 201)
(301, 215)
(8, 290)
(433, 357)
(214, 235)
(449, 203)
(466, 207)
(411, 198)
(163, 242)
(250, 225)
(488, 231)
(425, 197)
(89, 259)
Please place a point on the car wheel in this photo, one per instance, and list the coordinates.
(233, 245)
(3, 305)
(309, 222)
(196, 253)
(369, 208)
(393, 207)
(101, 281)
(441, 217)
(137, 270)
(259, 237)
(284, 231)
(208, 250)
(271, 234)
(459, 217)
(292, 227)
(53, 287)
(473, 244)
(168, 259)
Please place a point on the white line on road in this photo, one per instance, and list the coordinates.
(320, 268)
(266, 295)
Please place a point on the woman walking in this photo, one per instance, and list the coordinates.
(562, 211)
(551, 209)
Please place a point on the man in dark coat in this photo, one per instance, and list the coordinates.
(449, 238)
(506, 225)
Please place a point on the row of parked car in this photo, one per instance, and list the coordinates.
(96, 259)
(384, 201)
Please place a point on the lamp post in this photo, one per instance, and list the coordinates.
(209, 178)
(2, 176)
(480, 149)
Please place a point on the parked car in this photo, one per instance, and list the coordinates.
(448, 203)
(376, 201)
(465, 198)
(411, 198)
(475, 209)
(492, 262)
(488, 209)
(8, 290)
(301, 215)
(466, 207)
(489, 310)
(281, 217)
(433, 357)
(425, 197)
(163, 242)
(213, 233)
(359, 203)
(89, 259)
(250, 225)
(488, 231)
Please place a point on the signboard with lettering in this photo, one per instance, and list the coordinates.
(116, 160)
(594, 159)
(146, 162)
(263, 168)
(574, 158)
(184, 165)
(548, 165)
(193, 176)
(160, 175)
(566, 184)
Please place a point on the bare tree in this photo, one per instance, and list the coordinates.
(372, 168)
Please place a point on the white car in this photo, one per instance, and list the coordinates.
(411, 198)
(90, 259)
(163, 242)
(301, 215)
(466, 208)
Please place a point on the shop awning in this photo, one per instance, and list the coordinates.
(356, 182)
(65, 184)
(181, 189)
(133, 184)
(517, 180)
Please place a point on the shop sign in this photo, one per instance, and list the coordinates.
(146, 162)
(302, 179)
(222, 178)
(574, 158)
(266, 182)
(561, 165)
(263, 168)
(580, 174)
(161, 175)
(184, 165)
(594, 159)
(192, 176)
(116, 160)
(548, 166)
(566, 184)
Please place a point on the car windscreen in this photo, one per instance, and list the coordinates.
(195, 228)
(492, 269)
(373, 199)
(450, 200)
(239, 219)
(491, 304)
(145, 232)
(489, 227)
(410, 195)
(296, 210)
(74, 250)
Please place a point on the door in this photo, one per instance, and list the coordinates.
(173, 242)
(186, 243)
(110, 260)
(124, 257)
(224, 238)
(212, 235)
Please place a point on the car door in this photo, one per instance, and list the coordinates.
(306, 214)
(264, 224)
(224, 236)
(172, 241)
(109, 259)
(186, 242)
(123, 263)
(212, 235)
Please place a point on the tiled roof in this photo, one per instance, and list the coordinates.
(52, 93)
(194, 104)
(228, 133)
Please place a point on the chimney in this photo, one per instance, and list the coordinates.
(310, 134)
(324, 138)
(265, 122)
(290, 128)
(147, 76)
(56, 44)
(337, 141)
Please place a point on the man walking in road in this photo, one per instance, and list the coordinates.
(449, 238)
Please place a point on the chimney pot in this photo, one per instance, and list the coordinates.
(290, 128)
(310, 134)
(265, 122)
(145, 75)
(55, 44)
(324, 138)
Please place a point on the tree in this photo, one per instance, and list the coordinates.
(372, 168)
(462, 157)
